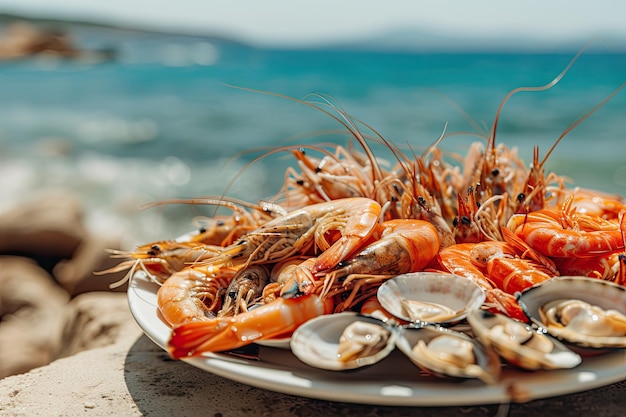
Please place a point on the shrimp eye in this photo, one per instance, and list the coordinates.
(152, 253)
(318, 170)
(300, 182)
(421, 200)
(232, 295)
(465, 220)
(156, 248)
(495, 172)
(521, 197)
(202, 230)
(455, 222)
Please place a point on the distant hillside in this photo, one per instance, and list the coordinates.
(68, 25)
(409, 40)
(422, 40)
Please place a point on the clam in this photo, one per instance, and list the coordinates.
(520, 344)
(448, 353)
(430, 297)
(342, 341)
(583, 311)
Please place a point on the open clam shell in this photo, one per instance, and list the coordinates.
(519, 343)
(342, 341)
(586, 312)
(430, 297)
(448, 353)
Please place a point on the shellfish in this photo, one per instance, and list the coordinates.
(430, 297)
(342, 341)
(448, 353)
(583, 311)
(519, 343)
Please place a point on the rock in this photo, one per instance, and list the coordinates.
(46, 229)
(95, 319)
(32, 316)
(80, 274)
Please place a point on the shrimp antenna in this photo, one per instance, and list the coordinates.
(344, 119)
(582, 118)
(555, 81)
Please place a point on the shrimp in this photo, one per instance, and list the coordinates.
(332, 177)
(280, 317)
(295, 233)
(160, 259)
(456, 260)
(604, 266)
(192, 295)
(245, 287)
(372, 307)
(513, 275)
(563, 233)
(598, 204)
(400, 246)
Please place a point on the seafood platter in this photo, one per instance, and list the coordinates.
(435, 280)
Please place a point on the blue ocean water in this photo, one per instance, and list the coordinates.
(176, 119)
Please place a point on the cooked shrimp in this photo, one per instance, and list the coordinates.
(400, 246)
(297, 232)
(278, 318)
(456, 259)
(245, 287)
(564, 233)
(160, 259)
(192, 295)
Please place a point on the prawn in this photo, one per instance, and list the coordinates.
(296, 232)
(159, 260)
(400, 246)
(564, 233)
(456, 260)
(245, 287)
(277, 318)
(192, 294)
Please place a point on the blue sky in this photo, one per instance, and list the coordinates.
(280, 22)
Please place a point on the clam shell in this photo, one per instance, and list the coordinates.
(604, 294)
(445, 298)
(536, 350)
(485, 366)
(316, 342)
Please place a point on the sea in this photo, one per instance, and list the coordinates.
(183, 116)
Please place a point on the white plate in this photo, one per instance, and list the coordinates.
(393, 381)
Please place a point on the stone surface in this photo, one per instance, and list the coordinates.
(32, 312)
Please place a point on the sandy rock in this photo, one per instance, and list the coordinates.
(79, 274)
(32, 316)
(50, 226)
(95, 319)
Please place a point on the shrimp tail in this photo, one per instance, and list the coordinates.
(502, 302)
(277, 318)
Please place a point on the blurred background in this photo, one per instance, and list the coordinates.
(121, 103)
